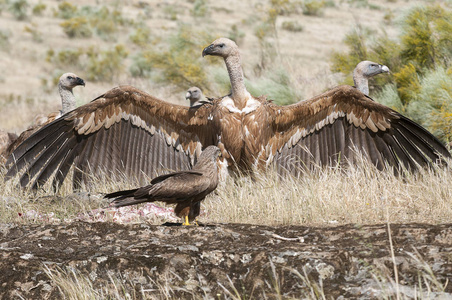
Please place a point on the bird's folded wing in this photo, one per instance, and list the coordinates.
(342, 124)
(123, 132)
(180, 185)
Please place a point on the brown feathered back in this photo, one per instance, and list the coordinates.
(185, 188)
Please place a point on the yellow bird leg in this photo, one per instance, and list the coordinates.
(186, 221)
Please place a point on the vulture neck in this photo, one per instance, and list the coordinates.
(361, 83)
(239, 92)
(67, 99)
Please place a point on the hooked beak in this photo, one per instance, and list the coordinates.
(208, 50)
(80, 81)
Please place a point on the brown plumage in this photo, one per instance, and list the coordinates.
(195, 96)
(365, 70)
(126, 131)
(186, 189)
(6, 139)
(66, 83)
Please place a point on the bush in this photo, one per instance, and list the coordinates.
(276, 86)
(313, 7)
(38, 9)
(66, 10)
(77, 27)
(141, 36)
(292, 26)
(104, 65)
(432, 106)
(427, 38)
(19, 9)
(105, 22)
(179, 64)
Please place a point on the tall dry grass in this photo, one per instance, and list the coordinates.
(358, 194)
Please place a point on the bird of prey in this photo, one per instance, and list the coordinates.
(365, 70)
(186, 189)
(195, 96)
(129, 132)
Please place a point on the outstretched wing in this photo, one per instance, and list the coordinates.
(123, 132)
(340, 125)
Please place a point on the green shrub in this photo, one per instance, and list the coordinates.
(200, 8)
(432, 105)
(141, 36)
(180, 64)
(276, 86)
(106, 22)
(313, 7)
(291, 26)
(67, 58)
(66, 10)
(38, 9)
(390, 97)
(104, 65)
(19, 9)
(427, 37)
(408, 85)
(77, 27)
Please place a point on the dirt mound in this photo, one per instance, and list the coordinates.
(212, 260)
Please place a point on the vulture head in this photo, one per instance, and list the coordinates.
(70, 81)
(194, 95)
(222, 47)
(363, 71)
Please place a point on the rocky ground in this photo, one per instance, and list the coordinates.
(255, 261)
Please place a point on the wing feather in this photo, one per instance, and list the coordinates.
(343, 123)
(125, 131)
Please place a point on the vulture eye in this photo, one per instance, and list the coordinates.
(70, 77)
(221, 45)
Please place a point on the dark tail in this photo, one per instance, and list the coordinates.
(124, 198)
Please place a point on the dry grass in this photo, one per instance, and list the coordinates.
(333, 196)
(360, 194)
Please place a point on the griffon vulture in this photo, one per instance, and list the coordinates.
(195, 96)
(186, 189)
(66, 83)
(126, 131)
(363, 71)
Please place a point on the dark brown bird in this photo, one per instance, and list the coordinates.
(365, 70)
(128, 132)
(186, 189)
(66, 83)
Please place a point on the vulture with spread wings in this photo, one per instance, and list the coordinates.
(126, 131)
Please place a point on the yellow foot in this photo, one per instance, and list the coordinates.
(187, 223)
